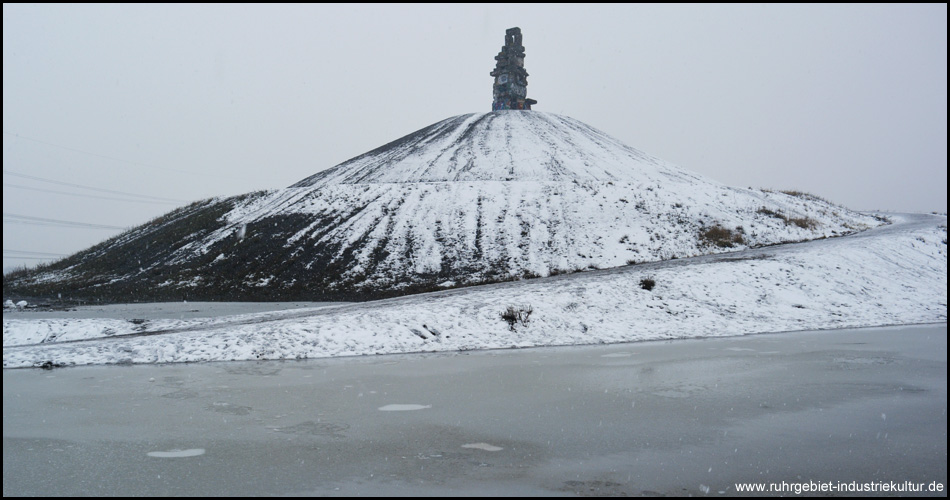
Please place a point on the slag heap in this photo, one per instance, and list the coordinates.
(511, 80)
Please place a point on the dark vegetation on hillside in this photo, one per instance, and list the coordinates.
(151, 263)
(141, 266)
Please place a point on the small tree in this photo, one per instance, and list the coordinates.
(647, 284)
(514, 315)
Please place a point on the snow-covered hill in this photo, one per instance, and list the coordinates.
(473, 199)
(890, 275)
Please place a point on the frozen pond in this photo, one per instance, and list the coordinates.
(686, 417)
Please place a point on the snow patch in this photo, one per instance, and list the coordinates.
(483, 446)
(193, 452)
(403, 407)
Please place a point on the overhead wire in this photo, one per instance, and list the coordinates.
(12, 218)
(17, 257)
(91, 188)
(107, 157)
(30, 255)
(30, 252)
(81, 195)
(18, 136)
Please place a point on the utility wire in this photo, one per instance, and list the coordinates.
(27, 258)
(91, 188)
(18, 136)
(15, 254)
(41, 221)
(29, 252)
(81, 195)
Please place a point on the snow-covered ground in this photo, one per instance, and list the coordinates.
(890, 275)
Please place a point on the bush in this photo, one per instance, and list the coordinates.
(774, 214)
(514, 315)
(647, 284)
(803, 195)
(721, 237)
(804, 222)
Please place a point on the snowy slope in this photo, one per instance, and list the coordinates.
(503, 146)
(490, 230)
(890, 275)
(473, 199)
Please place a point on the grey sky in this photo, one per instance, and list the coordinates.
(848, 102)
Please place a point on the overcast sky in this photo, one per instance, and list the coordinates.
(182, 102)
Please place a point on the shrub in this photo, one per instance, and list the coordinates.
(803, 195)
(721, 237)
(514, 315)
(774, 214)
(647, 284)
(804, 222)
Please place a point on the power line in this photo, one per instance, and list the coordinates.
(91, 188)
(88, 195)
(27, 258)
(14, 254)
(30, 252)
(41, 221)
(18, 136)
